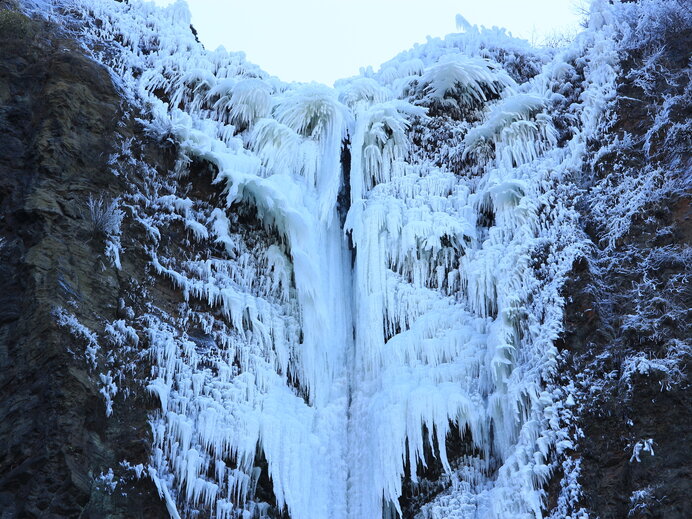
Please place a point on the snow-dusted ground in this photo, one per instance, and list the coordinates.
(417, 224)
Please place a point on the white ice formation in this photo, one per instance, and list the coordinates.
(401, 289)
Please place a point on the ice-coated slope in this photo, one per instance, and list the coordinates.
(402, 287)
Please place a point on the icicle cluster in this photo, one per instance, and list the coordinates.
(343, 367)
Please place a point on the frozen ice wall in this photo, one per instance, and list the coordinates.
(400, 287)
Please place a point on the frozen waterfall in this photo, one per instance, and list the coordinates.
(398, 286)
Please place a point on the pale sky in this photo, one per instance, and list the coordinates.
(313, 40)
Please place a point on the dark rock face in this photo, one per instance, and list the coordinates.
(628, 316)
(59, 113)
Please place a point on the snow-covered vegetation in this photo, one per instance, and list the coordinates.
(377, 306)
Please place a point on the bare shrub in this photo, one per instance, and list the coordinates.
(104, 217)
